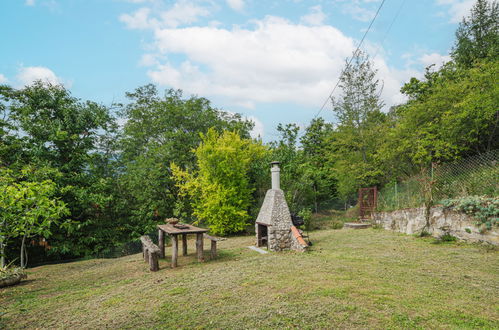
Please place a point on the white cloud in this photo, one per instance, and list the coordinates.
(30, 74)
(315, 17)
(267, 60)
(457, 8)
(3, 79)
(258, 130)
(434, 58)
(358, 12)
(29, 2)
(237, 5)
(181, 13)
(276, 61)
(139, 19)
(149, 60)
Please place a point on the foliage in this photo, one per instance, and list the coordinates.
(477, 36)
(306, 215)
(447, 238)
(337, 224)
(484, 209)
(159, 131)
(27, 209)
(220, 188)
(8, 272)
(60, 133)
(358, 135)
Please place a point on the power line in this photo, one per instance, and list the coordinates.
(351, 59)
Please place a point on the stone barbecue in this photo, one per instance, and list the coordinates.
(274, 227)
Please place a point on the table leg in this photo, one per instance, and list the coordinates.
(184, 244)
(161, 243)
(174, 250)
(199, 246)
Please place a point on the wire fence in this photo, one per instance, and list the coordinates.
(473, 176)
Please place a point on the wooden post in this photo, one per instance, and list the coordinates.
(174, 250)
(213, 249)
(153, 262)
(161, 243)
(146, 254)
(199, 246)
(184, 244)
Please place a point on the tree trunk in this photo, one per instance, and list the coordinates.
(2, 256)
(23, 252)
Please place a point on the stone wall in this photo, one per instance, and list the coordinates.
(412, 221)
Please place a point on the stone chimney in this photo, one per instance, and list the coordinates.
(274, 227)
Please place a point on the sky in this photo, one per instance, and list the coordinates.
(273, 61)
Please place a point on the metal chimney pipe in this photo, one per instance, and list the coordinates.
(275, 170)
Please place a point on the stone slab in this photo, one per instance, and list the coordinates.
(356, 225)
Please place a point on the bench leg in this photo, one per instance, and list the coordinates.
(174, 250)
(199, 246)
(184, 244)
(153, 262)
(213, 249)
(161, 243)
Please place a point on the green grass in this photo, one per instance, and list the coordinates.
(350, 279)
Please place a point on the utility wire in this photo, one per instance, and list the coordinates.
(351, 59)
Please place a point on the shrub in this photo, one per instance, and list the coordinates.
(484, 209)
(336, 224)
(306, 214)
(447, 238)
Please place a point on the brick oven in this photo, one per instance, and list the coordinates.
(274, 227)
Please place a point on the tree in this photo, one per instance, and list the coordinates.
(356, 138)
(316, 149)
(58, 131)
(27, 208)
(477, 36)
(220, 189)
(159, 131)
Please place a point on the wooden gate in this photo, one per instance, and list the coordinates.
(368, 199)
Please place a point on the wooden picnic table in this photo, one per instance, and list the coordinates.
(173, 232)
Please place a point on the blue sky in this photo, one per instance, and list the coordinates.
(273, 61)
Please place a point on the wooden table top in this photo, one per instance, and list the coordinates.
(171, 230)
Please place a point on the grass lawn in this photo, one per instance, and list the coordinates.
(350, 279)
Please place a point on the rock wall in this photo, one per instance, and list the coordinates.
(412, 221)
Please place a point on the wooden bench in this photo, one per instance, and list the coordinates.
(150, 252)
(214, 241)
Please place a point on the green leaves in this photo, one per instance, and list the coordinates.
(220, 189)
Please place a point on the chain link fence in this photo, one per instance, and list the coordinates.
(473, 176)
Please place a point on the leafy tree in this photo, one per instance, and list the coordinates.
(477, 37)
(316, 151)
(456, 116)
(61, 132)
(27, 208)
(357, 136)
(158, 131)
(220, 189)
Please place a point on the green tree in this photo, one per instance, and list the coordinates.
(357, 137)
(316, 152)
(27, 208)
(158, 131)
(477, 37)
(220, 189)
(58, 131)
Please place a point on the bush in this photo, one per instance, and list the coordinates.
(448, 238)
(336, 224)
(8, 272)
(484, 209)
(306, 214)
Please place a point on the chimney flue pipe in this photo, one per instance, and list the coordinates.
(275, 170)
